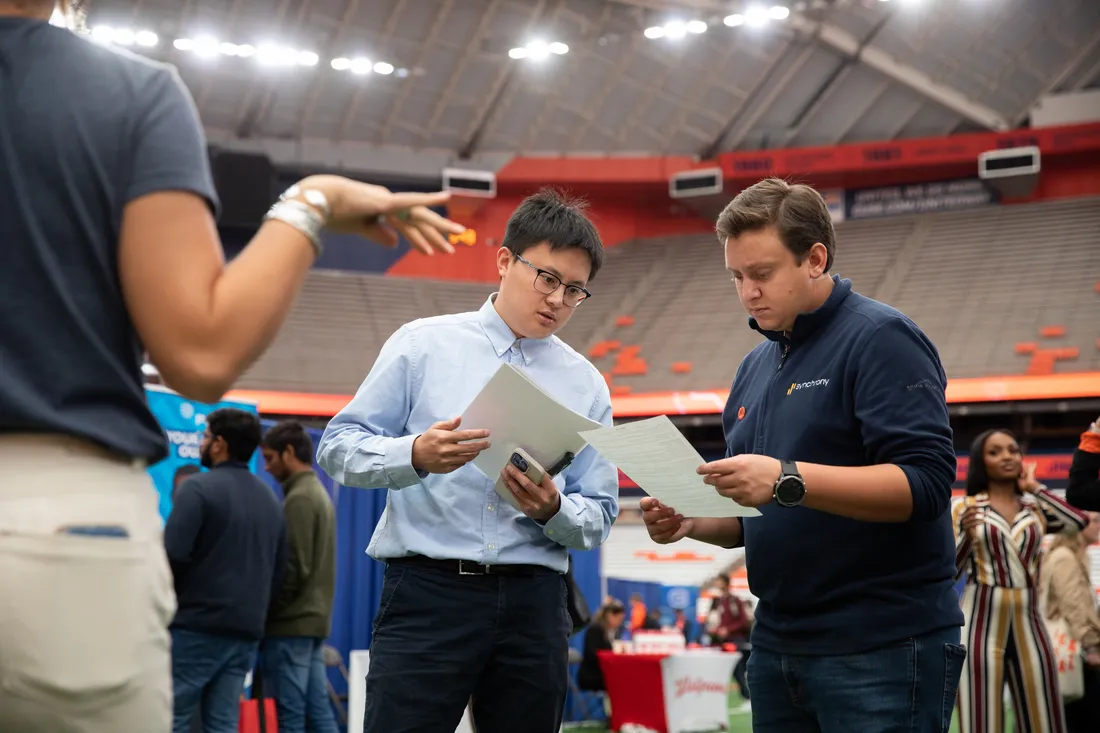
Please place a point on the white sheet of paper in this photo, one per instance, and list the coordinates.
(660, 459)
(520, 414)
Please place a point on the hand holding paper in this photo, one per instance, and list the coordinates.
(660, 459)
(443, 448)
(520, 414)
(748, 479)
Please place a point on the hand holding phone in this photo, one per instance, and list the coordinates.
(525, 464)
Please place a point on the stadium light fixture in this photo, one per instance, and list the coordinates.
(675, 29)
(756, 16)
(538, 50)
(108, 35)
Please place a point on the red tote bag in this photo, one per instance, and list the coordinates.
(252, 719)
(253, 722)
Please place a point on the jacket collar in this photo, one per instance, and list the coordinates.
(501, 336)
(231, 464)
(806, 323)
(294, 479)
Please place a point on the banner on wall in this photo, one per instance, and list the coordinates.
(183, 421)
(834, 202)
(918, 198)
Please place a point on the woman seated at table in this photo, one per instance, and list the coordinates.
(598, 637)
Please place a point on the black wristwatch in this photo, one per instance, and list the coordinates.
(790, 489)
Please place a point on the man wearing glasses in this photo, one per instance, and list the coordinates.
(473, 602)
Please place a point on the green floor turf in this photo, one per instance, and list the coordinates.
(742, 722)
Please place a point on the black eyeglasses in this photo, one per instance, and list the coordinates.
(548, 283)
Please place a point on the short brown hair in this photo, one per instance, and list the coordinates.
(797, 212)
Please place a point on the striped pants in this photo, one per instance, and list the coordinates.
(1006, 637)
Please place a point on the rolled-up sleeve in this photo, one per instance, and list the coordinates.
(365, 444)
(590, 500)
(901, 405)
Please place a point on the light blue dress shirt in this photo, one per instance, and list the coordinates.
(430, 370)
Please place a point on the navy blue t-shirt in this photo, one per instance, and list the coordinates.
(84, 130)
(856, 384)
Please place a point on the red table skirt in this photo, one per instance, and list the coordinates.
(635, 688)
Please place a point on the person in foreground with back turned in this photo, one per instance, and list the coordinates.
(106, 219)
(473, 601)
(837, 430)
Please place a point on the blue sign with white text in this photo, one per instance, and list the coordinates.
(184, 422)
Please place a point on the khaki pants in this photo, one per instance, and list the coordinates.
(84, 645)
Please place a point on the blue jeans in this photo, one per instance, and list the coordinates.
(211, 670)
(908, 687)
(294, 674)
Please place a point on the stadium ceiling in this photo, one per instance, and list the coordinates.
(422, 84)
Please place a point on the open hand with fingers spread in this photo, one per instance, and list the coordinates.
(443, 448)
(662, 522)
(378, 214)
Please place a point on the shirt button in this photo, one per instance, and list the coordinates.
(490, 507)
(549, 531)
(490, 546)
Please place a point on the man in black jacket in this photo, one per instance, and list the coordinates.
(226, 542)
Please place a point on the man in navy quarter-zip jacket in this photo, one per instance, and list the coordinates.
(837, 430)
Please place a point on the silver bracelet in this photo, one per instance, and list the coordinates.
(303, 218)
(313, 197)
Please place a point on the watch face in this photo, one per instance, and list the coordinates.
(790, 491)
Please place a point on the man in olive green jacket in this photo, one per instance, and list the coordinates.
(300, 615)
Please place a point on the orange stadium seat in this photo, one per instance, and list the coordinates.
(681, 367)
(624, 321)
(619, 389)
(629, 364)
(1042, 362)
(1052, 332)
(1026, 347)
(600, 349)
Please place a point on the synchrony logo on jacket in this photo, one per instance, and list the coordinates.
(795, 386)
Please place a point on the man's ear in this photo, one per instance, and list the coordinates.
(504, 258)
(818, 259)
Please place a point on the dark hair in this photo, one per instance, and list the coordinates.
(558, 219)
(290, 432)
(977, 478)
(798, 213)
(238, 428)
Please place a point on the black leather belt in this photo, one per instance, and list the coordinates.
(469, 567)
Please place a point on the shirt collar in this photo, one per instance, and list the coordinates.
(501, 336)
(807, 323)
(231, 464)
(294, 478)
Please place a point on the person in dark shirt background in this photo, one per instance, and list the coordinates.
(732, 621)
(1083, 489)
(226, 542)
(603, 629)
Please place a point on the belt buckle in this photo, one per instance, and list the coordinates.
(463, 571)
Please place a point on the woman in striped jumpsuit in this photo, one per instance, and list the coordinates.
(999, 531)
